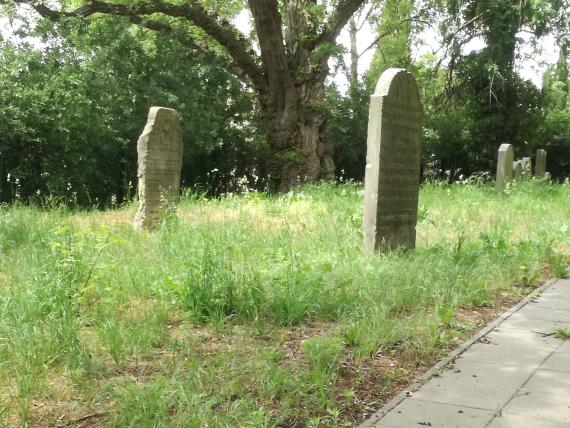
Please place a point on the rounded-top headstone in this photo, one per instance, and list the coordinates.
(393, 162)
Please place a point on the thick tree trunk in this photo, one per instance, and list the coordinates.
(296, 136)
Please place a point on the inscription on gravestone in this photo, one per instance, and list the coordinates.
(505, 165)
(159, 162)
(393, 163)
(540, 167)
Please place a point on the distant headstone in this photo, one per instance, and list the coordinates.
(505, 165)
(159, 162)
(547, 176)
(392, 179)
(526, 168)
(540, 167)
(517, 170)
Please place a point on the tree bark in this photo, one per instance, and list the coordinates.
(296, 135)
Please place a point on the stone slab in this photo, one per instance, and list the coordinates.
(474, 384)
(560, 289)
(536, 312)
(516, 421)
(559, 360)
(549, 382)
(502, 344)
(523, 322)
(392, 177)
(159, 149)
(559, 304)
(540, 168)
(417, 413)
(539, 405)
(504, 166)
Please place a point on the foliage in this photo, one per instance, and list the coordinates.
(73, 113)
(555, 128)
(394, 44)
(347, 128)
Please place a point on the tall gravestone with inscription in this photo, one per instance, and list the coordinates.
(392, 178)
(505, 166)
(159, 162)
(540, 168)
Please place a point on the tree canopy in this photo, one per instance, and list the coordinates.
(256, 106)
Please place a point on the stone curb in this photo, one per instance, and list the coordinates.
(436, 369)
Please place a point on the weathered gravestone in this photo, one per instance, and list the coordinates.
(526, 168)
(505, 166)
(159, 162)
(517, 170)
(392, 178)
(547, 176)
(540, 168)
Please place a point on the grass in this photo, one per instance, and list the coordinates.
(254, 310)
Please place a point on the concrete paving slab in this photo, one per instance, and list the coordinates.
(501, 346)
(551, 303)
(417, 413)
(560, 360)
(516, 421)
(561, 289)
(473, 384)
(523, 322)
(561, 284)
(545, 314)
(539, 405)
(549, 382)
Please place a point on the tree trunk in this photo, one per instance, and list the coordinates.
(296, 136)
(353, 31)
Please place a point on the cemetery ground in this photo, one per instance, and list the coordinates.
(255, 310)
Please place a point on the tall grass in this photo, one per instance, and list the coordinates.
(134, 324)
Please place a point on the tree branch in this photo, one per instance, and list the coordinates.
(268, 26)
(222, 31)
(389, 32)
(361, 25)
(338, 19)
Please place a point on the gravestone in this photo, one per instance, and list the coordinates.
(526, 168)
(517, 170)
(391, 185)
(547, 177)
(540, 167)
(159, 162)
(505, 166)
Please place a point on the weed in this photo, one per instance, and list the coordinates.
(563, 333)
(446, 314)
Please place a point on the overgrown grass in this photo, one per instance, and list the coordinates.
(239, 311)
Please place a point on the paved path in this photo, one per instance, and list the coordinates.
(516, 376)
